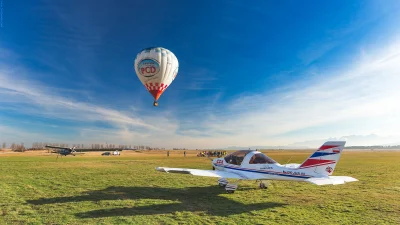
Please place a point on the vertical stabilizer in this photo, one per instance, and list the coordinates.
(324, 160)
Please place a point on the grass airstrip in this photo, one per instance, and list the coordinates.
(37, 188)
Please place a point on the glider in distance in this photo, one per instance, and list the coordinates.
(254, 165)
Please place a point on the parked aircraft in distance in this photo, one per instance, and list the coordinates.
(62, 151)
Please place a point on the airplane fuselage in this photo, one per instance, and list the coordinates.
(268, 171)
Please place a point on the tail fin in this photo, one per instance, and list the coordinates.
(324, 160)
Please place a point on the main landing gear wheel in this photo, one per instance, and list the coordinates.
(231, 188)
(222, 182)
(263, 186)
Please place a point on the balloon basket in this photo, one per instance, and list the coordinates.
(155, 103)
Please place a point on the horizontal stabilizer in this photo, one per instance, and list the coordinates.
(334, 180)
(204, 173)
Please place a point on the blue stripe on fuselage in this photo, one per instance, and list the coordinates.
(263, 172)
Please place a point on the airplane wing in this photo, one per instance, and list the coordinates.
(48, 146)
(205, 173)
(334, 180)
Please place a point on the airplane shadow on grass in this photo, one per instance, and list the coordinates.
(193, 199)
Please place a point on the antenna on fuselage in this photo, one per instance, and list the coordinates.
(289, 159)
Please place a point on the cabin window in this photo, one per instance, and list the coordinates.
(236, 158)
(261, 159)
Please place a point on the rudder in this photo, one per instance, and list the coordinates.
(324, 160)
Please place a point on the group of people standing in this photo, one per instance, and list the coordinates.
(206, 153)
(211, 153)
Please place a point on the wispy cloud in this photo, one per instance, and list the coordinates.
(359, 99)
(200, 79)
(20, 94)
(339, 34)
(353, 140)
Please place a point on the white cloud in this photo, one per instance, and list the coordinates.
(359, 99)
(353, 140)
(29, 97)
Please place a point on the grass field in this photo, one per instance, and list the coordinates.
(91, 189)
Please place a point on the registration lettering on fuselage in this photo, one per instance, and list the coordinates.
(266, 168)
(294, 173)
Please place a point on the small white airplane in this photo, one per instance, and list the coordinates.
(254, 165)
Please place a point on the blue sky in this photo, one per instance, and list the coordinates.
(265, 73)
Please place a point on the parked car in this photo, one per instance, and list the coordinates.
(116, 153)
(106, 153)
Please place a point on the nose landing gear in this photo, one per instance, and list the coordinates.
(222, 182)
(229, 187)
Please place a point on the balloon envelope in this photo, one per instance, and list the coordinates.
(156, 68)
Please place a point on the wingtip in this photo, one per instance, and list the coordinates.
(351, 179)
(335, 180)
(161, 169)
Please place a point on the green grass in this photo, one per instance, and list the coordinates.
(128, 190)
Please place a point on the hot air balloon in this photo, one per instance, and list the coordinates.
(156, 68)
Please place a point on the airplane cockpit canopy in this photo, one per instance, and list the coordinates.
(261, 158)
(237, 157)
(253, 157)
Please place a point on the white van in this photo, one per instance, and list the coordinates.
(116, 153)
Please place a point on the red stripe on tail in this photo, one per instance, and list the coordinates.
(315, 162)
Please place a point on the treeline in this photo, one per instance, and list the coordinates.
(375, 147)
(14, 147)
(42, 145)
